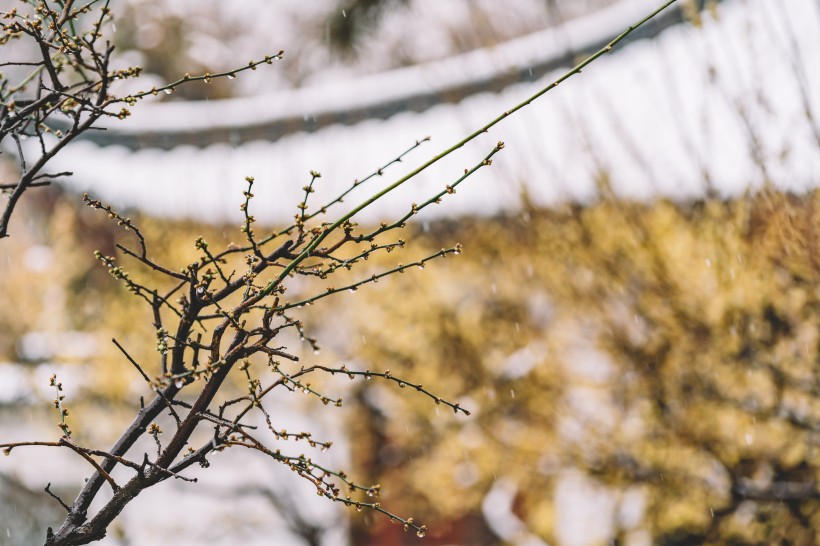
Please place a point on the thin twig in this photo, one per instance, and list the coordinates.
(131, 360)
(82, 453)
(57, 498)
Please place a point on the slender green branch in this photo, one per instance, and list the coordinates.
(207, 77)
(338, 199)
(356, 183)
(448, 190)
(402, 383)
(472, 136)
(401, 268)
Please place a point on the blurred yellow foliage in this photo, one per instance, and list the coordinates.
(671, 348)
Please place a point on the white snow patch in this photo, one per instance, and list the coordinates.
(720, 104)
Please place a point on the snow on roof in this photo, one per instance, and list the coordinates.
(725, 103)
(382, 94)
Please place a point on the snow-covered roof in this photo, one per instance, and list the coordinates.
(725, 103)
(378, 96)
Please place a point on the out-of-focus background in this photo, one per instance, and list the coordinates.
(633, 322)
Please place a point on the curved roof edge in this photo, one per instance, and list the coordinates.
(379, 96)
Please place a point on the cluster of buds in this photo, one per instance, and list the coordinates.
(58, 404)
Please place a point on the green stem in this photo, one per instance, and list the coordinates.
(472, 136)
